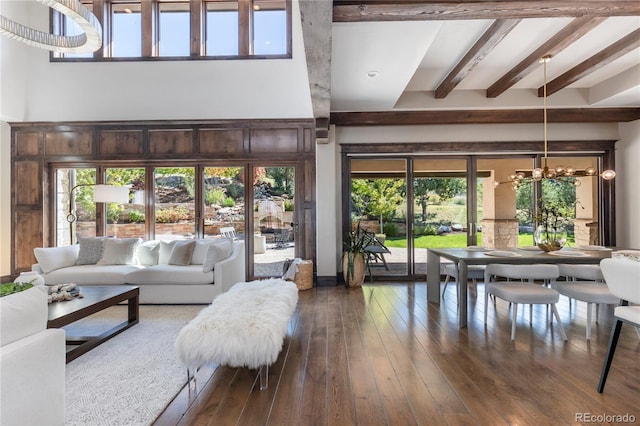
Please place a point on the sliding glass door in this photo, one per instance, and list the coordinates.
(274, 219)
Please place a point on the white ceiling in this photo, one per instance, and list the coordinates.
(412, 58)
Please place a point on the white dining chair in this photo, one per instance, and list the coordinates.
(580, 272)
(524, 291)
(474, 273)
(623, 279)
(594, 293)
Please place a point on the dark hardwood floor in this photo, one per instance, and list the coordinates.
(380, 355)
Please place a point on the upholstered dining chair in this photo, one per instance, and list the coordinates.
(474, 273)
(623, 279)
(587, 291)
(524, 291)
(580, 272)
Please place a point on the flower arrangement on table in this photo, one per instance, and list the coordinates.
(550, 234)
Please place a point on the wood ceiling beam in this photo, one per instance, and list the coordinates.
(316, 35)
(563, 38)
(565, 115)
(389, 10)
(485, 44)
(600, 59)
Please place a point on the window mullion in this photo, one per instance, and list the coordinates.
(197, 13)
(147, 11)
(98, 11)
(245, 27)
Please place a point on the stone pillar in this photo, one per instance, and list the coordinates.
(585, 226)
(499, 223)
(500, 233)
(586, 232)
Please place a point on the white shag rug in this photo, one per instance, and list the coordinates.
(130, 379)
(244, 327)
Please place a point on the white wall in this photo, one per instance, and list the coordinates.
(327, 206)
(627, 184)
(156, 90)
(13, 85)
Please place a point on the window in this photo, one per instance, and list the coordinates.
(222, 29)
(173, 34)
(126, 30)
(127, 220)
(174, 202)
(269, 28)
(63, 25)
(162, 29)
(75, 208)
(223, 196)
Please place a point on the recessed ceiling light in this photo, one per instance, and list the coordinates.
(373, 74)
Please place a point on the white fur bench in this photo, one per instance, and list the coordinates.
(244, 327)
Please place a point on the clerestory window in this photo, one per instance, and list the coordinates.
(185, 29)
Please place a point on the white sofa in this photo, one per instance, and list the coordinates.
(32, 361)
(165, 271)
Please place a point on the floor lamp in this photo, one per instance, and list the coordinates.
(101, 194)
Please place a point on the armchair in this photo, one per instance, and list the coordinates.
(32, 361)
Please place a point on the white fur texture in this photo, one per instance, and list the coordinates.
(244, 327)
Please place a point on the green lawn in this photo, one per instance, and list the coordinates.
(449, 241)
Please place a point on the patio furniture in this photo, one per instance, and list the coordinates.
(229, 232)
(375, 251)
(281, 237)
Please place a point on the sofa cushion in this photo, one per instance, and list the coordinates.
(91, 274)
(23, 314)
(90, 250)
(200, 251)
(52, 258)
(169, 274)
(119, 251)
(216, 253)
(148, 253)
(181, 253)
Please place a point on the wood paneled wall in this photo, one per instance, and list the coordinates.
(38, 146)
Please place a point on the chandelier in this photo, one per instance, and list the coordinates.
(557, 172)
(89, 41)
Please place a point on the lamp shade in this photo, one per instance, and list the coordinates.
(111, 194)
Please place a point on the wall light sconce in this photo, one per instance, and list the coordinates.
(101, 194)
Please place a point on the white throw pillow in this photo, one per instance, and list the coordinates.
(119, 251)
(148, 253)
(181, 253)
(90, 251)
(200, 250)
(165, 251)
(52, 258)
(216, 253)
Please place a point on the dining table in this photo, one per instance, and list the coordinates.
(463, 257)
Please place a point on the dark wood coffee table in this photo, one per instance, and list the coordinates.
(96, 299)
